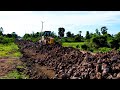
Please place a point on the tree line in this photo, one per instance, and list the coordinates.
(100, 38)
(7, 38)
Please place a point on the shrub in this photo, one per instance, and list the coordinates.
(63, 39)
(6, 40)
(104, 49)
(118, 49)
(84, 47)
(77, 46)
(90, 49)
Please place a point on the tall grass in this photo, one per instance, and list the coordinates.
(9, 50)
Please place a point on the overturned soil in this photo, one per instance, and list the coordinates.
(8, 64)
(57, 62)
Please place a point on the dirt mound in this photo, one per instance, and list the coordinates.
(68, 63)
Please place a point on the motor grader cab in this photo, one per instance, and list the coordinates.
(47, 38)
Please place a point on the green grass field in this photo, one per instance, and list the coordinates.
(73, 44)
(9, 50)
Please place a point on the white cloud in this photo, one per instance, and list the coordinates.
(28, 21)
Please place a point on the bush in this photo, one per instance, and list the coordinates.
(118, 49)
(77, 46)
(77, 38)
(63, 39)
(84, 47)
(56, 39)
(99, 41)
(6, 40)
(90, 49)
(70, 39)
(104, 49)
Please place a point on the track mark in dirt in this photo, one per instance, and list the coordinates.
(45, 70)
(7, 65)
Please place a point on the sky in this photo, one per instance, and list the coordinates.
(23, 22)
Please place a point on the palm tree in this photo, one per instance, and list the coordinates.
(80, 33)
(104, 30)
(1, 30)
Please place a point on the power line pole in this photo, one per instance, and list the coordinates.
(42, 26)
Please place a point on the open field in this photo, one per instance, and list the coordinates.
(73, 44)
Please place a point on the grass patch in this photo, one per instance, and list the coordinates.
(15, 75)
(16, 54)
(103, 50)
(73, 44)
(79, 44)
(19, 66)
(9, 50)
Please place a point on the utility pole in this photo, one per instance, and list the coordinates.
(42, 28)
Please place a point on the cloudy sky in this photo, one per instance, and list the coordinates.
(23, 22)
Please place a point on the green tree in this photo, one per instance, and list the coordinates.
(104, 30)
(9, 35)
(116, 40)
(87, 35)
(61, 32)
(114, 43)
(1, 30)
(77, 38)
(72, 35)
(100, 41)
(117, 36)
(97, 32)
(80, 33)
(26, 36)
(37, 34)
(68, 34)
(14, 35)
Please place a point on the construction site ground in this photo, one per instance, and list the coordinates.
(58, 62)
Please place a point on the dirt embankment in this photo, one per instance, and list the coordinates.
(55, 61)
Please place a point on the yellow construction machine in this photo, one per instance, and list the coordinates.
(47, 38)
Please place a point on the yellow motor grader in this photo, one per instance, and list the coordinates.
(47, 38)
